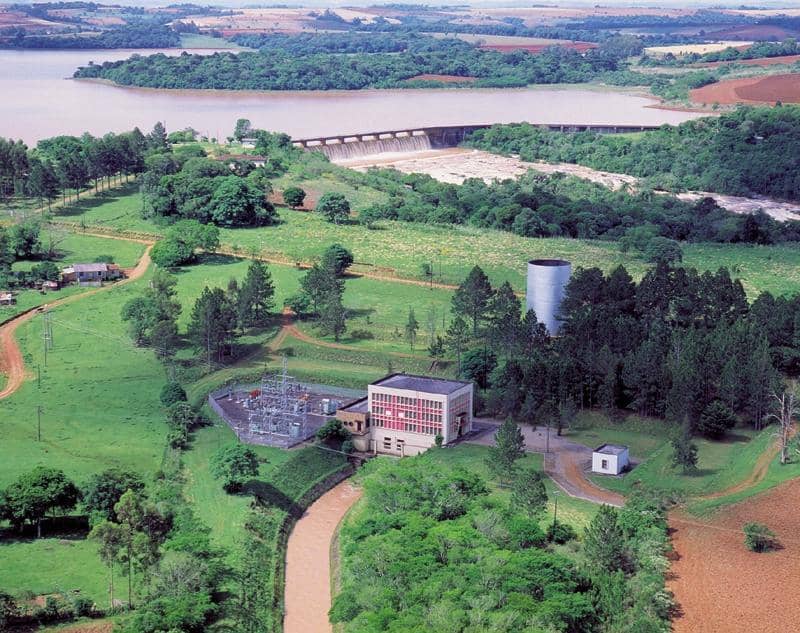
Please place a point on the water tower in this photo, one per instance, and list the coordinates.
(547, 281)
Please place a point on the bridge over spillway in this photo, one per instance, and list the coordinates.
(452, 135)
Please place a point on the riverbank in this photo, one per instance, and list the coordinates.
(456, 165)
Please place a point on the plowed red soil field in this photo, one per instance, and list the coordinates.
(785, 88)
(720, 586)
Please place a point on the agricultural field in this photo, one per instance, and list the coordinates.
(759, 89)
(687, 49)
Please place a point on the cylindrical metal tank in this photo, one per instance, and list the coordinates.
(547, 280)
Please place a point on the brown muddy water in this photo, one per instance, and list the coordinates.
(39, 100)
(308, 561)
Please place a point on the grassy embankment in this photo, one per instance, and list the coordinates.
(721, 464)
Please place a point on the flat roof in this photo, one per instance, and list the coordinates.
(357, 406)
(427, 384)
(611, 449)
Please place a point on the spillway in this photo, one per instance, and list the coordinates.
(359, 149)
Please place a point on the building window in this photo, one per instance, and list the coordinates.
(387, 443)
(400, 445)
(604, 464)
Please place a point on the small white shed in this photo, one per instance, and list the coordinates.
(610, 459)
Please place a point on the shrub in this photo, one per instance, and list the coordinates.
(759, 538)
(333, 433)
(361, 335)
(172, 393)
(234, 464)
(294, 197)
(716, 420)
(525, 532)
(334, 207)
(560, 533)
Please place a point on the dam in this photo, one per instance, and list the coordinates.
(349, 146)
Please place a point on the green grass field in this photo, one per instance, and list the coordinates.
(75, 248)
(223, 513)
(400, 249)
(721, 464)
(100, 409)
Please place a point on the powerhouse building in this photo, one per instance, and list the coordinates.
(403, 414)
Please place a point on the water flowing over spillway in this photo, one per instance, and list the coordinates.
(358, 149)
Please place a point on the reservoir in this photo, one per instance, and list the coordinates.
(39, 100)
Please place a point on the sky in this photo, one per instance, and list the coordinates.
(477, 3)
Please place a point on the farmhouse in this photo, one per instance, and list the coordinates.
(610, 459)
(403, 414)
(91, 274)
(7, 299)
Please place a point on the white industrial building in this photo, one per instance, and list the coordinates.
(403, 414)
(610, 459)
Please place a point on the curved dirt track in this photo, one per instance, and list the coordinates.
(720, 586)
(756, 475)
(12, 364)
(307, 597)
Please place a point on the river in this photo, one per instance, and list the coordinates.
(40, 100)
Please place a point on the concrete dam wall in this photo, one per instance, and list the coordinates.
(360, 148)
(349, 146)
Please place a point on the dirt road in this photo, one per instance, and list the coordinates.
(721, 586)
(11, 361)
(308, 561)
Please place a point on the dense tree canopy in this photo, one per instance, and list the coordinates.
(753, 150)
(291, 63)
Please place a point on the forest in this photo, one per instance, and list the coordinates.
(281, 67)
(536, 205)
(134, 35)
(432, 550)
(311, 44)
(61, 163)
(750, 151)
(679, 345)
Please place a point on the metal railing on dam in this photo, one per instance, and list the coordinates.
(452, 135)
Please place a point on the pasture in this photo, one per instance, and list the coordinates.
(399, 249)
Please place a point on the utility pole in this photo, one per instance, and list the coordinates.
(47, 334)
(555, 511)
(39, 423)
(39, 376)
